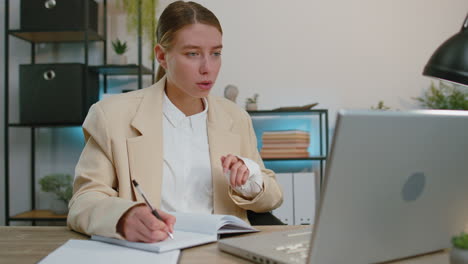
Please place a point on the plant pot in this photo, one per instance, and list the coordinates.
(458, 256)
(119, 60)
(251, 106)
(59, 207)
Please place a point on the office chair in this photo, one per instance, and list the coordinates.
(263, 218)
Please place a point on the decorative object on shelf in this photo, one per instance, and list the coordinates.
(444, 97)
(120, 47)
(459, 251)
(296, 108)
(231, 92)
(148, 18)
(59, 184)
(43, 99)
(282, 144)
(380, 106)
(251, 103)
(50, 15)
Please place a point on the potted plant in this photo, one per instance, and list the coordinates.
(119, 48)
(380, 106)
(60, 185)
(444, 97)
(251, 103)
(148, 19)
(459, 252)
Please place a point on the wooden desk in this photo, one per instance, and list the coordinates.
(20, 245)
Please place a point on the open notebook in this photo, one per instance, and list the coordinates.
(190, 230)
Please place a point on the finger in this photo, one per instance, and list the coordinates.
(157, 236)
(234, 174)
(148, 236)
(228, 161)
(241, 175)
(169, 219)
(151, 222)
(143, 233)
(135, 232)
(222, 159)
(246, 176)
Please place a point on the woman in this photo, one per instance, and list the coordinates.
(189, 151)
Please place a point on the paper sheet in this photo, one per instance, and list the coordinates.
(87, 251)
(181, 240)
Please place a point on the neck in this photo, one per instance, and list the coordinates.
(187, 104)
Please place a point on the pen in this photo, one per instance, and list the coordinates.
(155, 213)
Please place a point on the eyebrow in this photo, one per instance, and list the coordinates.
(198, 47)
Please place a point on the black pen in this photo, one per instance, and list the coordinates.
(155, 213)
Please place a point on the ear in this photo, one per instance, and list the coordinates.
(160, 55)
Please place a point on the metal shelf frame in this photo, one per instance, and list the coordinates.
(323, 133)
(50, 36)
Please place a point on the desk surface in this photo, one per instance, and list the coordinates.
(30, 244)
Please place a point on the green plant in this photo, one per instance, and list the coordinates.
(380, 106)
(148, 18)
(460, 241)
(119, 46)
(58, 184)
(252, 100)
(444, 97)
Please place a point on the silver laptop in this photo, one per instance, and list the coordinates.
(396, 185)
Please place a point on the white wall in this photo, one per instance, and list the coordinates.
(342, 54)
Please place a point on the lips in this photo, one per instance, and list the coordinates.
(205, 85)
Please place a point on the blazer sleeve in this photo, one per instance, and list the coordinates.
(95, 207)
(271, 197)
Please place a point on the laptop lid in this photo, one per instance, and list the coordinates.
(396, 185)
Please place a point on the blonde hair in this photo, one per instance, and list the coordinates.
(176, 16)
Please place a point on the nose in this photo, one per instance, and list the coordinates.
(205, 66)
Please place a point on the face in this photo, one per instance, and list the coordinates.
(193, 62)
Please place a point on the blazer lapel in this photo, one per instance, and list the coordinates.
(222, 141)
(145, 152)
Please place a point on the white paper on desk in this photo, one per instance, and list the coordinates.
(181, 239)
(211, 224)
(190, 230)
(87, 251)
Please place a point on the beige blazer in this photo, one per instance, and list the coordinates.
(124, 141)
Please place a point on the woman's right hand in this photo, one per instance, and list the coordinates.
(138, 224)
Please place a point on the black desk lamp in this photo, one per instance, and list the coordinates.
(450, 61)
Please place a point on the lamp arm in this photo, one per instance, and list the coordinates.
(465, 25)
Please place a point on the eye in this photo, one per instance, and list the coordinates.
(192, 54)
(217, 53)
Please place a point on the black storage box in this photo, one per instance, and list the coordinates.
(56, 93)
(57, 14)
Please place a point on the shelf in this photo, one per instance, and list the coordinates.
(39, 215)
(308, 158)
(45, 36)
(45, 125)
(286, 112)
(129, 69)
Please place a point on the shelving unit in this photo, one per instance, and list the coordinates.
(322, 128)
(298, 180)
(55, 36)
(129, 69)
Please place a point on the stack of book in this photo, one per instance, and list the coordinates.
(285, 144)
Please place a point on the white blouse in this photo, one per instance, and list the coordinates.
(187, 183)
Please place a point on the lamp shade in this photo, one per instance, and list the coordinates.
(450, 61)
